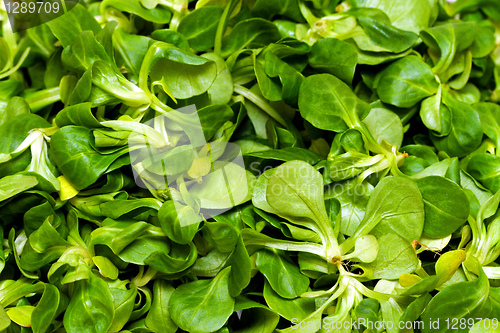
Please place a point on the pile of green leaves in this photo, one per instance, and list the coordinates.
(370, 131)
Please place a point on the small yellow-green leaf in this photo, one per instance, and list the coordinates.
(106, 267)
(448, 263)
(4, 319)
(408, 280)
(67, 190)
(21, 315)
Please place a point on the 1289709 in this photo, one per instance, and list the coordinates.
(38, 7)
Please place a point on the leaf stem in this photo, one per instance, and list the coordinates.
(221, 27)
(260, 102)
(312, 248)
(40, 99)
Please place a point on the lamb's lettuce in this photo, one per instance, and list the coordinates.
(250, 166)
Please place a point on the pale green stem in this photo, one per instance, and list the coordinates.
(260, 102)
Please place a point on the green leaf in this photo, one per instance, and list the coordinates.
(484, 168)
(4, 319)
(221, 234)
(368, 309)
(255, 317)
(171, 216)
(46, 310)
(415, 309)
(229, 185)
(124, 301)
(241, 269)
(90, 308)
(269, 9)
(395, 206)
(21, 315)
(365, 249)
(117, 208)
(158, 318)
(192, 304)
(221, 90)
(130, 49)
(328, 103)
(435, 115)
(334, 56)
(83, 52)
(466, 132)
(447, 40)
(484, 40)
(134, 242)
(79, 115)
(385, 125)
(110, 85)
(446, 206)
(406, 82)
(381, 32)
(212, 117)
(76, 158)
(289, 309)
(179, 259)
(171, 37)
(459, 300)
(106, 267)
(158, 14)
(67, 27)
(251, 33)
(46, 237)
(411, 16)
(296, 189)
(289, 77)
(283, 275)
(15, 131)
(395, 257)
(489, 113)
(12, 185)
(199, 27)
(183, 74)
(353, 201)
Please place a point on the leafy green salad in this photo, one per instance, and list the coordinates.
(250, 166)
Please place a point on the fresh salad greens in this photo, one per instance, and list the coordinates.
(251, 166)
